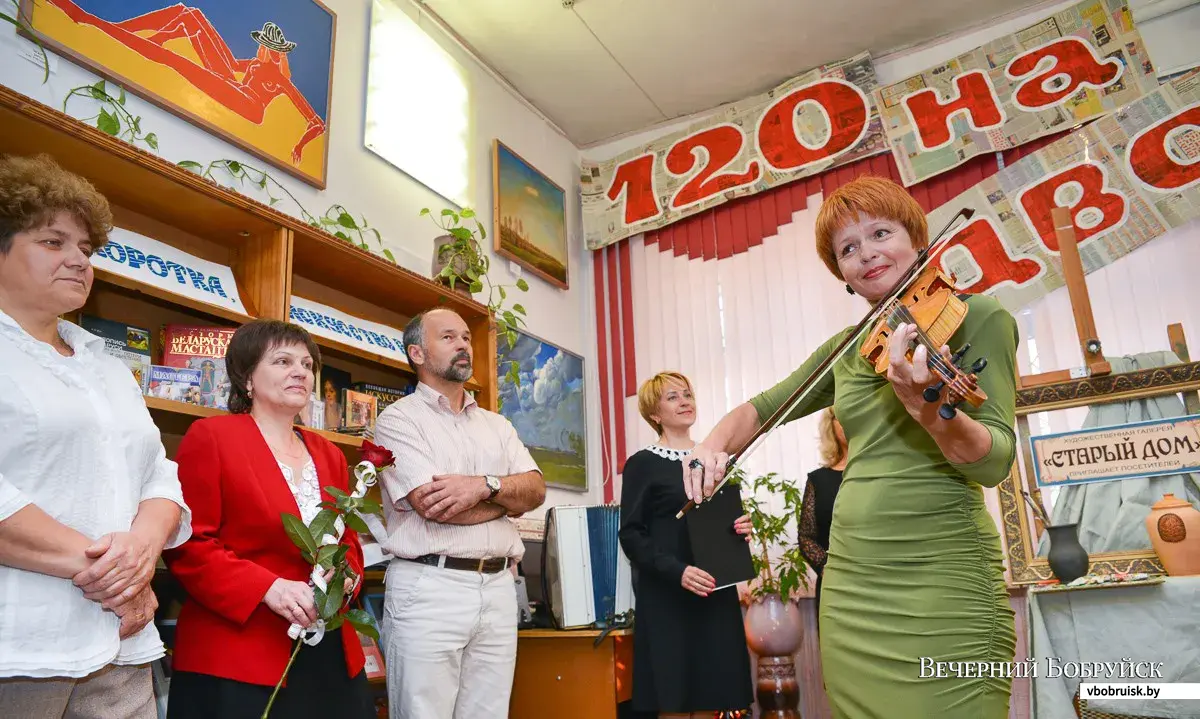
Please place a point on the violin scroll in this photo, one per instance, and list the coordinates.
(963, 386)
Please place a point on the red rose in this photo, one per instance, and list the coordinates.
(377, 455)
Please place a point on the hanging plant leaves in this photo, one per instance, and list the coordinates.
(108, 123)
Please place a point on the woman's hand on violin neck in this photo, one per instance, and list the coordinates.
(910, 377)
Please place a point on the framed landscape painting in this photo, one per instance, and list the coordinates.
(530, 216)
(547, 408)
(257, 74)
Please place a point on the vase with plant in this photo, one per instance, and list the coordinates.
(772, 622)
(460, 263)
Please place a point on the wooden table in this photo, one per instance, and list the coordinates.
(560, 674)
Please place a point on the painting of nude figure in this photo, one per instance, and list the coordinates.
(257, 73)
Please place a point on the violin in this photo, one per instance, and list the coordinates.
(931, 303)
(924, 296)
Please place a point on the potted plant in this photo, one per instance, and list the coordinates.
(772, 623)
(460, 263)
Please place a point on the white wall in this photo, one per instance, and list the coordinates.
(389, 199)
(897, 66)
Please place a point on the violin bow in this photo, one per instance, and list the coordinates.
(923, 259)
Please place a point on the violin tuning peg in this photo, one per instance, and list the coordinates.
(979, 365)
(947, 411)
(962, 352)
(933, 392)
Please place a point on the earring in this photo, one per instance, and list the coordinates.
(849, 289)
(250, 392)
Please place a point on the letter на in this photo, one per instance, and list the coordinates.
(979, 239)
(1036, 202)
(1059, 68)
(931, 117)
(845, 108)
(1158, 168)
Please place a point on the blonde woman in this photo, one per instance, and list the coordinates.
(819, 493)
(689, 648)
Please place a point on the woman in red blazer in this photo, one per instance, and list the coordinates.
(246, 581)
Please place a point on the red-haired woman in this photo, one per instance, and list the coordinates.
(914, 564)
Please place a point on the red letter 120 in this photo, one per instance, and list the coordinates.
(1099, 209)
(1155, 165)
(722, 144)
(845, 108)
(635, 179)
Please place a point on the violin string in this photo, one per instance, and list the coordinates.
(935, 357)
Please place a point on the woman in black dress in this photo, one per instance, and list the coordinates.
(689, 647)
(820, 491)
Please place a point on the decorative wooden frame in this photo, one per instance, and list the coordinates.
(27, 8)
(497, 244)
(1018, 524)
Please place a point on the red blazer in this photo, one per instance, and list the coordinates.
(238, 548)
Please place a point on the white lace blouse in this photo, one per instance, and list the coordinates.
(76, 440)
(307, 491)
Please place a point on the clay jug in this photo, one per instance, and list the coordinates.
(1067, 558)
(1174, 529)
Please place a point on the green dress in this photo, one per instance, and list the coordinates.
(915, 568)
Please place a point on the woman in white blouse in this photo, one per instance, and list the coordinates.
(88, 498)
(246, 581)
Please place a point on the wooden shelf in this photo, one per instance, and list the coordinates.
(334, 263)
(389, 362)
(203, 308)
(267, 251)
(175, 417)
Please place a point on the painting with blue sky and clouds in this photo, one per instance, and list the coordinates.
(547, 408)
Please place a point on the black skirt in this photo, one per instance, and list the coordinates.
(317, 688)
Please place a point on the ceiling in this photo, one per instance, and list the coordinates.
(603, 68)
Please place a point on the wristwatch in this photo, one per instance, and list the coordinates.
(493, 483)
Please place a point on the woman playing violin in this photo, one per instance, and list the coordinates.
(914, 563)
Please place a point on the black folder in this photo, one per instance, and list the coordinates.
(716, 547)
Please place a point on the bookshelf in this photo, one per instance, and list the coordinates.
(273, 258)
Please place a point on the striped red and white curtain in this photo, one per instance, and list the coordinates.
(735, 298)
(736, 326)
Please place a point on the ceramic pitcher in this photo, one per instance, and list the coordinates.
(1174, 529)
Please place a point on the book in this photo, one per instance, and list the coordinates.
(373, 665)
(200, 348)
(385, 396)
(716, 547)
(128, 343)
(360, 409)
(334, 382)
(181, 384)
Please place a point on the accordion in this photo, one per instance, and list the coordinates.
(587, 578)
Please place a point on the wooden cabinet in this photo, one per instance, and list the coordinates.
(273, 257)
(564, 675)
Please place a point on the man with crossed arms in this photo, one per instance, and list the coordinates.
(461, 472)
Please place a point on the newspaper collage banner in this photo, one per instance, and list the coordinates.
(1073, 66)
(1128, 177)
(821, 119)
